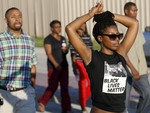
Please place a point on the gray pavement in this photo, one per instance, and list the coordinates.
(54, 105)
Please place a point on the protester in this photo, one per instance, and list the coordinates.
(17, 66)
(56, 50)
(137, 57)
(83, 82)
(106, 68)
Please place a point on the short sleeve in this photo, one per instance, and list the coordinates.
(47, 40)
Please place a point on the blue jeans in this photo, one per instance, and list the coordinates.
(142, 86)
(22, 101)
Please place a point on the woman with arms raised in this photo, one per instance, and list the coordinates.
(106, 68)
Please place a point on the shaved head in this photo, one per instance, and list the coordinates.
(128, 5)
(10, 9)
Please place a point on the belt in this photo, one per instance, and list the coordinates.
(12, 89)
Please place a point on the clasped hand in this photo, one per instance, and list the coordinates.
(96, 9)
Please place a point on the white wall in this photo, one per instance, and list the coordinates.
(37, 14)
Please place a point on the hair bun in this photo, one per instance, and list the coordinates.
(103, 16)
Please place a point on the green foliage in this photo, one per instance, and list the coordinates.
(96, 45)
(39, 43)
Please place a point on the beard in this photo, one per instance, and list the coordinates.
(15, 27)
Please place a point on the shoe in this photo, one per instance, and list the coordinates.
(84, 111)
(41, 107)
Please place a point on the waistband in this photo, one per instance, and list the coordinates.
(11, 89)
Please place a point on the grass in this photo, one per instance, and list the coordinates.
(96, 45)
(39, 43)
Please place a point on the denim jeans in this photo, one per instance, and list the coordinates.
(142, 86)
(22, 101)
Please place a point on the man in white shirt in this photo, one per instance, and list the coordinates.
(137, 57)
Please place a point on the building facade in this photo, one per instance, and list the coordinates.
(37, 14)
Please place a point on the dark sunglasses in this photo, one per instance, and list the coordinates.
(114, 36)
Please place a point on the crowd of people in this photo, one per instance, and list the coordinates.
(106, 75)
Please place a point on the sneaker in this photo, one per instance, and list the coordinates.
(41, 107)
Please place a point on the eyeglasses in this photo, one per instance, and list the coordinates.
(114, 36)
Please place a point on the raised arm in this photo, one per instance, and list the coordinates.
(74, 38)
(132, 25)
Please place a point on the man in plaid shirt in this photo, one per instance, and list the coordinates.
(17, 66)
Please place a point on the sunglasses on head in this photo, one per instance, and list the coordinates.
(114, 36)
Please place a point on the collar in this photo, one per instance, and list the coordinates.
(11, 34)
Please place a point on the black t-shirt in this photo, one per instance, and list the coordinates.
(108, 75)
(57, 53)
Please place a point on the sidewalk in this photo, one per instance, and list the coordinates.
(54, 105)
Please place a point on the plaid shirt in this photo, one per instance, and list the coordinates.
(17, 55)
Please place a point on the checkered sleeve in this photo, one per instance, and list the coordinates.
(34, 56)
(0, 60)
